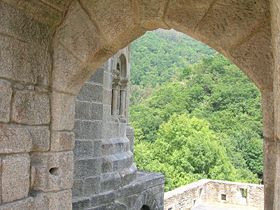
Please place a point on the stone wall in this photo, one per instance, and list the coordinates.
(212, 191)
(49, 49)
(103, 154)
(33, 176)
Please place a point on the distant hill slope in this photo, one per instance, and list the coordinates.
(158, 55)
(183, 91)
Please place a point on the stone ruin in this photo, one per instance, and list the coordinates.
(105, 176)
(214, 194)
(49, 49)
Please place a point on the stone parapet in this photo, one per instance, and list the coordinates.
(214, 191)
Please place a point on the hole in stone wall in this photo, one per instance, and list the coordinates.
(200, 192)
(53, 171)
(223, 197)
(144, 207)
(244, 192)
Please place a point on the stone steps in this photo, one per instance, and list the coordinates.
(114, 180)
(115, 145)
(117, 162)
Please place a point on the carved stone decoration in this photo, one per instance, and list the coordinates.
(119, 89)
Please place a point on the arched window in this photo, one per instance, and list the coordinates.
(119, 88)
(123, 86)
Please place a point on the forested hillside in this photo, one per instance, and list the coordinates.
(195, 114)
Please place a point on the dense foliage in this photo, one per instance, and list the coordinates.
(195, 114)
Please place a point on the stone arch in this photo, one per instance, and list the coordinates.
(92, 31)
(50, 48)
(123, 66)
(147, 201)
(120, 78)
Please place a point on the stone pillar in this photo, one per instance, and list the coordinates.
(122, 102)
(115, 101)
(269, 149)
(275, 146)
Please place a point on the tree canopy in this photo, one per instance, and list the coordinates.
(200, 117)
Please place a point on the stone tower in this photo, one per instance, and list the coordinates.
(105, 176)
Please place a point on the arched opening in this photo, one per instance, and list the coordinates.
(144, 207)
(207, 85)
(51, 48)
(119, 88)
(98, 158)
(69, 79)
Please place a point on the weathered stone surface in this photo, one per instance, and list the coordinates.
(19, 25)
(78, 33)
(113, 13)
(52, 171)
(184, 15)
(84, 148)
(227, 26)
(40, 138)
(117, 162)
(24, 47)
(88, 129)
(209, 191)
(91, 186)
(87, 167)
(5, 100)
(77, 189)
(61, 200)
(62, 141)
(255, 58)
(98, 76)
(83, 203)
(103, 198)
(30, 107)
(122, 128)
(15, 180)
(38, 10)
(130, 136)
(239, 29)
(25, 204)
(110, 181)
(60, 5)
(107, 116)
(88, 111)
(65, 70)
(91, 92)
(15, 138)
(111, 130)
(268, 112)
(63, 111)
(115, 145)
(107, 96)
(15, 60)
(107, 81)
(151, 13)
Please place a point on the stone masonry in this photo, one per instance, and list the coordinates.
(217, 193)
(49, 49)
(104, 168)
